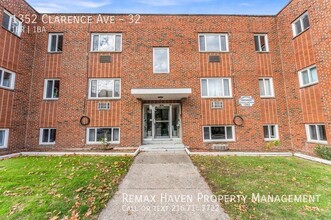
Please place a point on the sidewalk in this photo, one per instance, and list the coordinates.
(163, 185)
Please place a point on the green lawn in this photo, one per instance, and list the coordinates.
(72, 187)
(268, 176)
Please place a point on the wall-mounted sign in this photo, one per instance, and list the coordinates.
(246, 101)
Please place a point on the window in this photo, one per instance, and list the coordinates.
(103, 106)
(218, 133)
(217, 105)
(47, 136)
(266, 87)
(216, 88)
(7, 79)
(101, 135)
(4, 138)
(55, 42)
(261, 43)
(316, 133)
(52, 89)
(213, 43)
(161, 60)
(308, 76)
(11, 23)
(301, 24)
(104, 89)
(106, 42)
(270, 132)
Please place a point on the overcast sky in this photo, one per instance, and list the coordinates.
(258, 7)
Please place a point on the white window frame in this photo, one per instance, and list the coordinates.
(301, 23)
(222, 96)
(112, 34)
(49, 134)
(219, 35)
(6, 130)
(269, 132)
(219, 140)
(12, 83)
(45, 88)
(20, 24)
(105, 98)
(264, 85)
(168, 61)
(50, 35)
(96, 142)
(318, 141)
(266, 42)
(309, 76)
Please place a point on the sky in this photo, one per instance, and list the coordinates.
(250, 7)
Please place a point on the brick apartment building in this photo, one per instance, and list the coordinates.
(70, 82)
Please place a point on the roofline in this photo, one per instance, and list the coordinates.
(161, 14)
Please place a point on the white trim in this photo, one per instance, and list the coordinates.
(218, 140)
(50, 35)
(45, 89)
(222, 96)
(13, 17)
(97, 142)
(226, 35)
(264, 85)
(6, 137)
(266, 42)
(168, 60)
(13, 78)
(109, 34)
(269, 132)
(41, 136)
(104, 98)
(309, 76)
(318, 141)
(301, 24)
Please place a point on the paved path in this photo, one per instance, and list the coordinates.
(163, 185)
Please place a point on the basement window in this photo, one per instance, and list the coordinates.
(47, 136)
(104, 89)
(11, 23)
(216, 88)
(4, 133)
(55, 43)
(52, 89)
(261, 43)
(301, 24)
(7, 79)
(103, 135)
(213, 43)
(316, 133)
(308, 76)
(270, 132)
(106, 42)
(218, 133)
(266, 88)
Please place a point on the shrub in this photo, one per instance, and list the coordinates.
(323, 151)
(271, 144)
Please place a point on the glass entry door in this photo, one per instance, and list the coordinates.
(162, 122)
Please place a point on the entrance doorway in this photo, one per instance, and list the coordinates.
(162, 122)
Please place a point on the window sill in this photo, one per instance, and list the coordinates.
(214, 51)
(100, 143)
(6, 88)
(161, 73)
(103, 99)
(317, 142)
(271, 139)
(20, 37)
(50, 52)
(308, 85)
(217, 97)
(267, 97)
(3, 148)
(262, 52)
(51, 99)
(301, 33)
(47, 144)
(106, 51)
(219, 141)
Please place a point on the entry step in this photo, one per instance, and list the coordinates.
(162, 147)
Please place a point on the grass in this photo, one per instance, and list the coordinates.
(72, 187)
(268, 176)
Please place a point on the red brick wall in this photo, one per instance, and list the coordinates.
(290, 109)
(16, 55)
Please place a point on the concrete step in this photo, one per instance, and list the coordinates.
(162, 147)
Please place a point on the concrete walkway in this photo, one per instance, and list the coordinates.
(163, 185)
